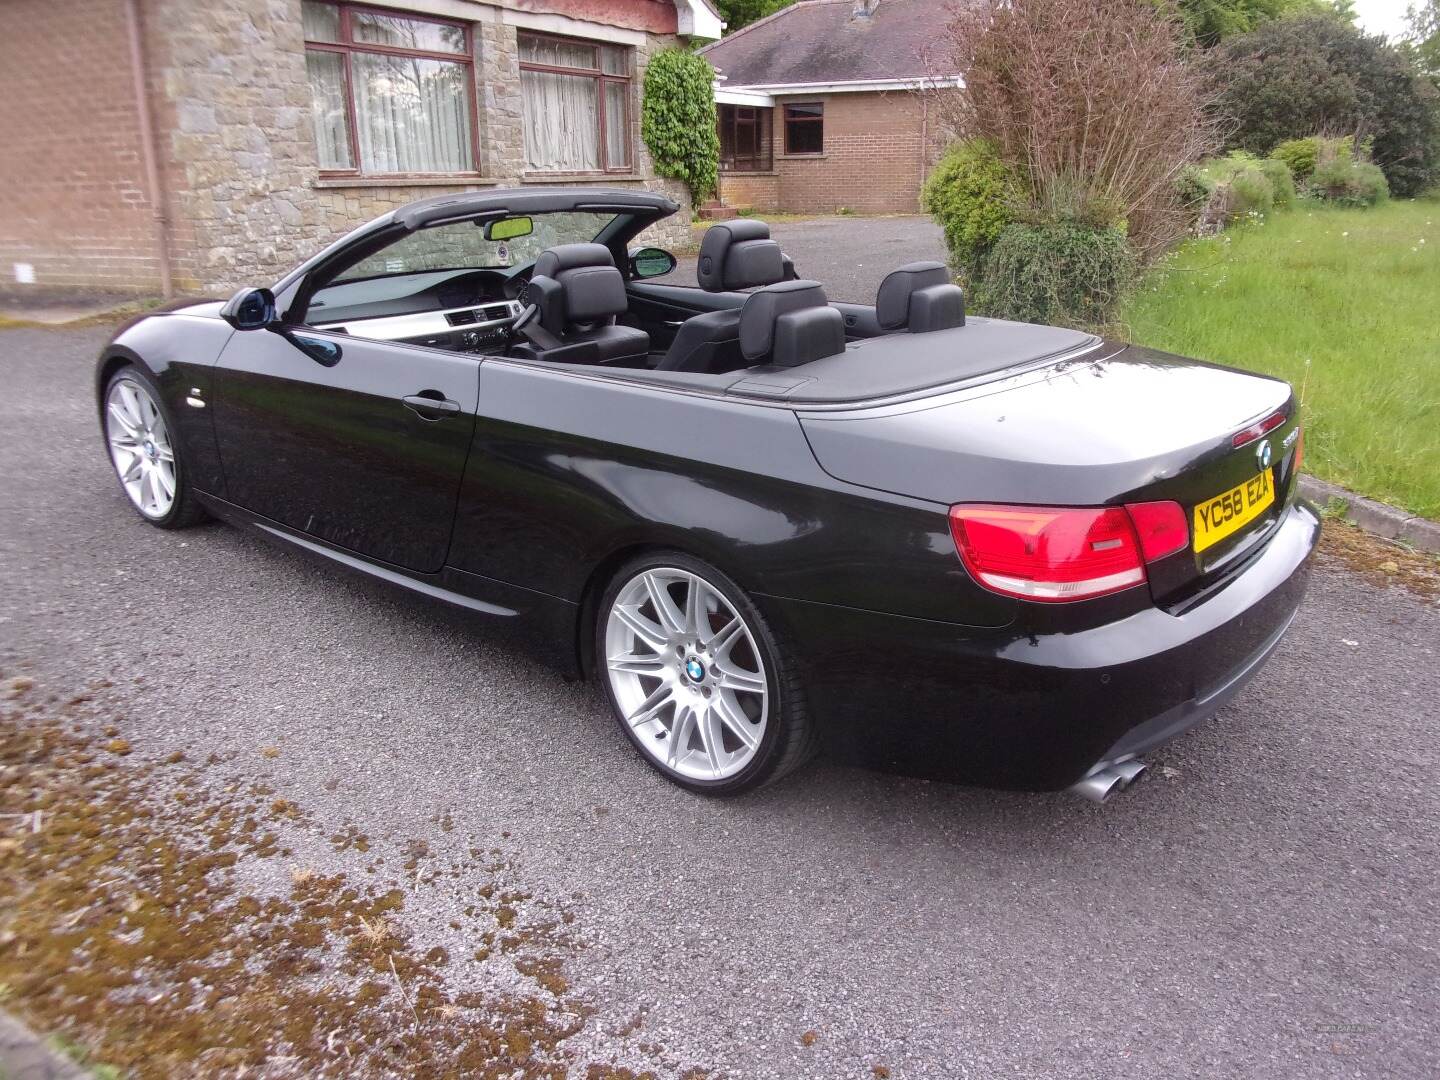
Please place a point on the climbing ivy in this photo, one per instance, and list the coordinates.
(678, 120)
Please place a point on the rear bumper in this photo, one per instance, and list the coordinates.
(1038, 712)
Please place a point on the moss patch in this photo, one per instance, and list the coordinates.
(126, 930)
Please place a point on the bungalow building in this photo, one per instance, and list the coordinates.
(827, 105)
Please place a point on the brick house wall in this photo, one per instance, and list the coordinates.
(74, 204)
(879, 147)
(231, 107)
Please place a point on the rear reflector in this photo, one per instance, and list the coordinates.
(1162, 528)
(1048, 554)
(1299, 453)
(1254, 431)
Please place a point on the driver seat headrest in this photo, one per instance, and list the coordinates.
(586, 286)
(739, 254)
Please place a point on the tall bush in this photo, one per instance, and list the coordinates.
(1302, 155)
(1297, 76)
(1090, 101)
(1349, 182)
(973, 195)
(678, 120)
(1062, 273)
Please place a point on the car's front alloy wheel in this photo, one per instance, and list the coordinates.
(138, 435)
(695, 677)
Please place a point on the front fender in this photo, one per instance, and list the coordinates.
(179, 351)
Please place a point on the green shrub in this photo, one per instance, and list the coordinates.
(972, 196)
(1302, 155)
(1282, 183)
(1349, 182)
(678, 120)
(1250, 192)
(1194, 189)
(1241, 184)
(1060, 273)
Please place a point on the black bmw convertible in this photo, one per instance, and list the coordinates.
(769, 524)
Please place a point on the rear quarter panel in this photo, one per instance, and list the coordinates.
(568, 469)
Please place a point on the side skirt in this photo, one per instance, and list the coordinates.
(544, 624)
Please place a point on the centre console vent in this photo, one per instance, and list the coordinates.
(497, 311)
(460, 318)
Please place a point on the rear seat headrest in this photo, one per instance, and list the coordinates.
(739, 255)
(919, 296)
(790, 323)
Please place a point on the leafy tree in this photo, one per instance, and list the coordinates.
(1424, 36)
(738, 13)
(1212, 21)
(678, 121)
(1319, 75)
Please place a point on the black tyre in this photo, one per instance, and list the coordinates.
(696, 677)
(148, 461)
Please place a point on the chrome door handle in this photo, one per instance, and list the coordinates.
(431, 405)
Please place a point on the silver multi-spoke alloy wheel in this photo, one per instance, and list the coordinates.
(140, 447)
(686, 674)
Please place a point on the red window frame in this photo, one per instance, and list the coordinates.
(348, 46)
(791, 119)
(601, 77)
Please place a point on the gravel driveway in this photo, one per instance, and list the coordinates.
(1263, 904)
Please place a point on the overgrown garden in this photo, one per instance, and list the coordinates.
(1095, 135)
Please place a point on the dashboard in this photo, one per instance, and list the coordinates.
(464, 310)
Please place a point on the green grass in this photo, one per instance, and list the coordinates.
(1345, 304)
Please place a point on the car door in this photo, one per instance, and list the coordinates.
(356, 442)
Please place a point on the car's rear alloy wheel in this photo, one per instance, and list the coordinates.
(137, 432)
(693, 674)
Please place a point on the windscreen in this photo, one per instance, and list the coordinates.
(462, 246)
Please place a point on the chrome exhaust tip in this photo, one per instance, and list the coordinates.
(1099, 785)
(1129, 770)
(1108, 779)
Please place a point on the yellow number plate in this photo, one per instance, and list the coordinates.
(1228, 513)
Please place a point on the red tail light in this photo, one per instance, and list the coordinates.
(1254, 431)
(1048, 554)
(1058, 554)
(1162, 528)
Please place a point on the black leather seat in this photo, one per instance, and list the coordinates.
(578, 293)
(919, 297)
(790, 324)
(734, 255)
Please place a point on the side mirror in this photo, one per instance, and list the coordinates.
(250, 309)
(651, 262)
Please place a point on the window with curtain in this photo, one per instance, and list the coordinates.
(805, 128)
(390, 94)
(575, 97)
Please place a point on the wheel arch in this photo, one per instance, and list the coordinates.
(112, 360)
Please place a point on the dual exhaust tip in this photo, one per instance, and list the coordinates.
(1108, 779)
